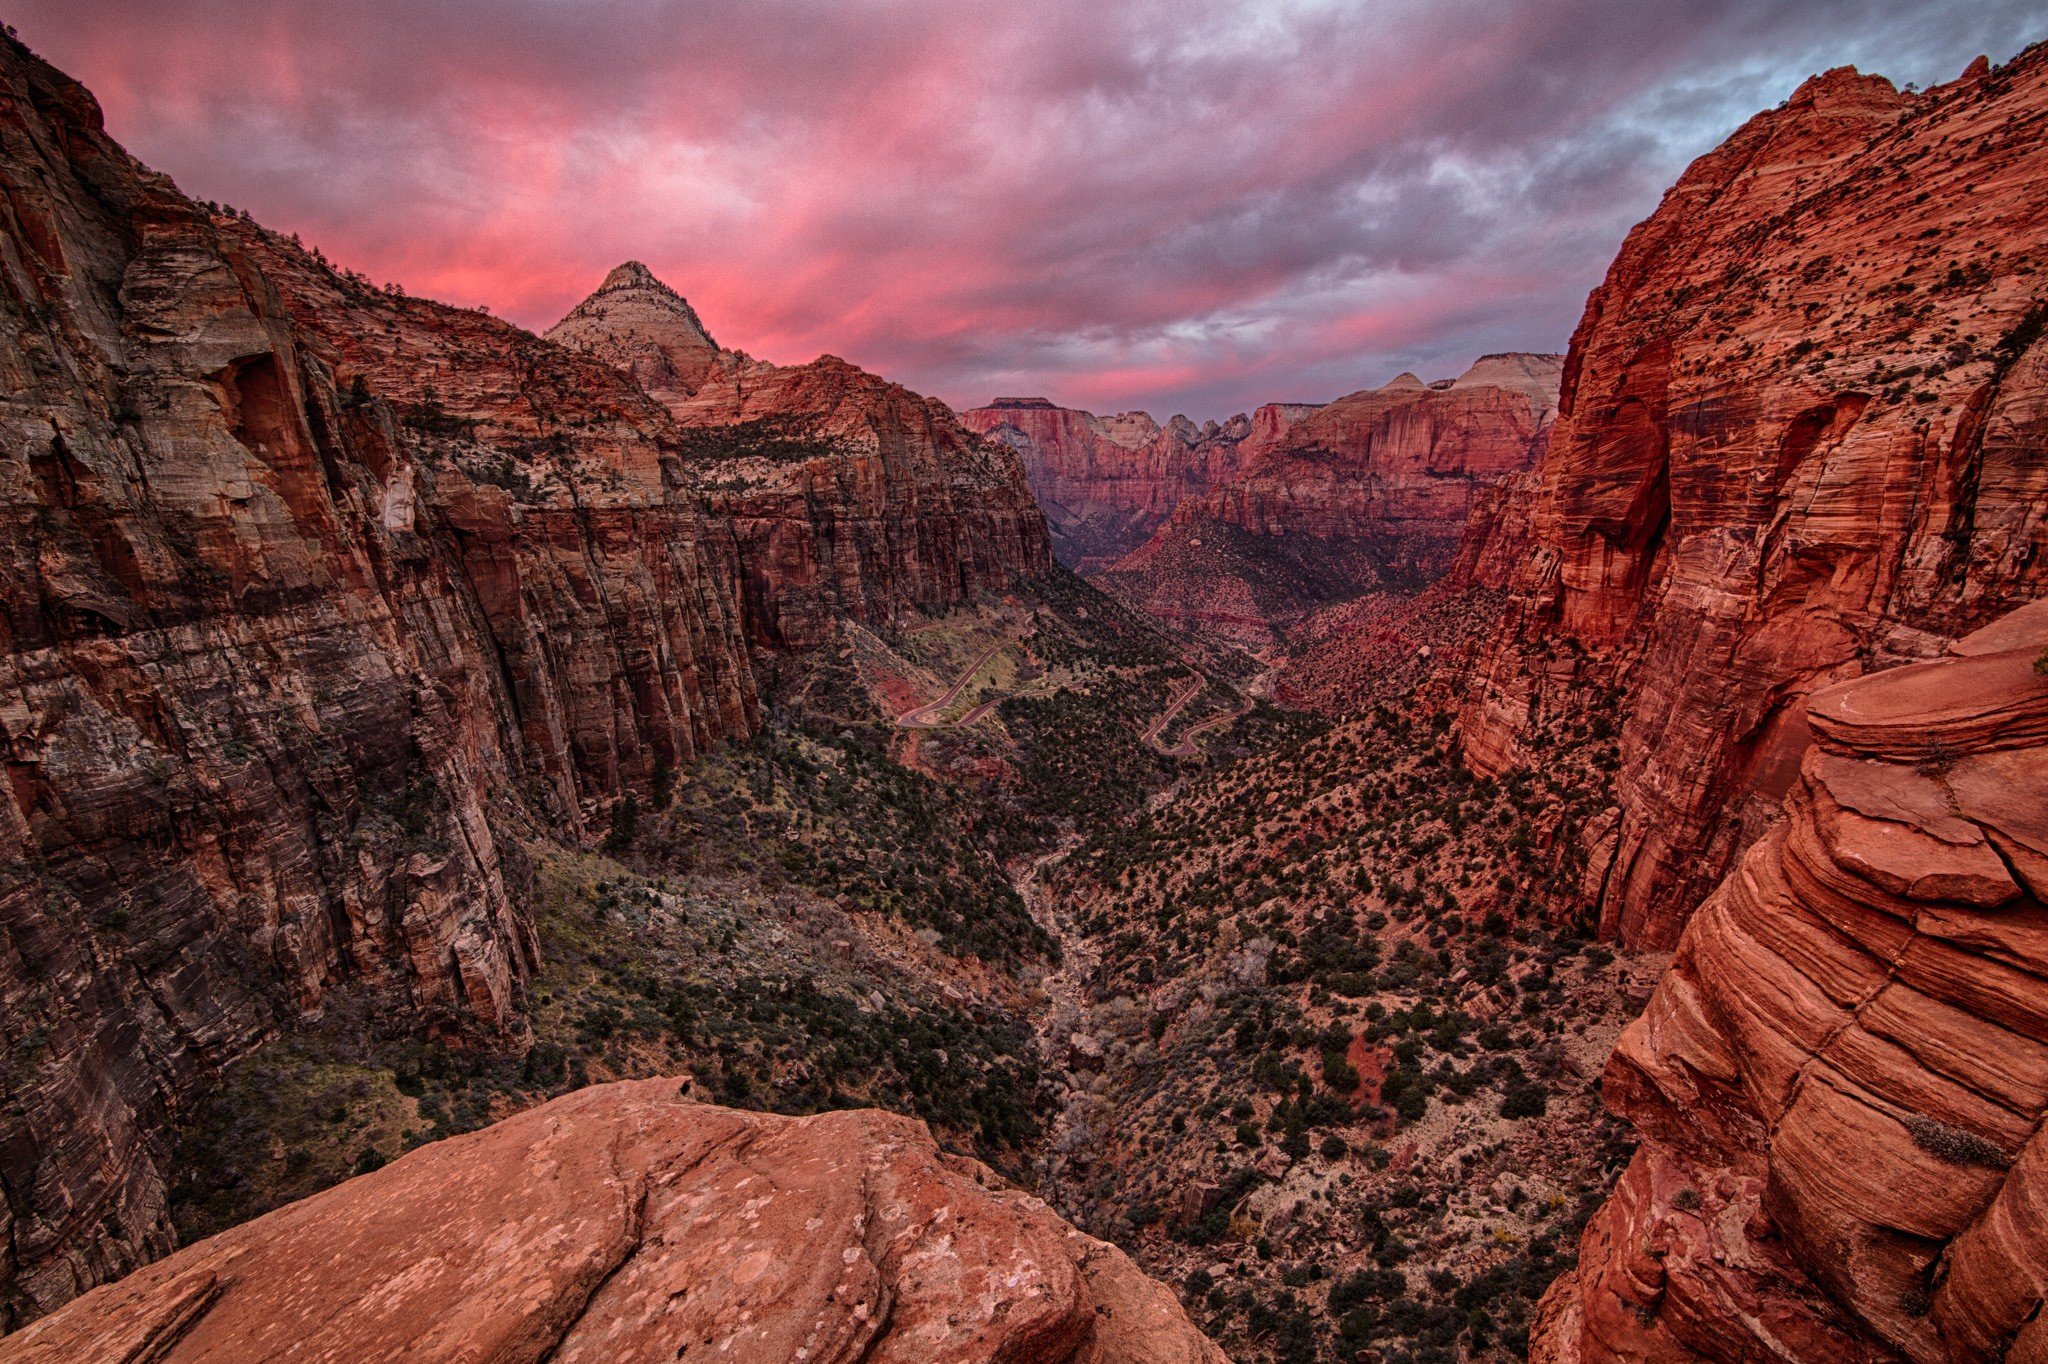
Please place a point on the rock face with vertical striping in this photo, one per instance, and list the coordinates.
(1800, 438)
(624, 1223)
(1106, 483)
(844, 496)
(309, 593)
(1369, 493)
(1840, 1083)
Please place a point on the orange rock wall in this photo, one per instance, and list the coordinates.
(1799, 438)
(1840, 1083)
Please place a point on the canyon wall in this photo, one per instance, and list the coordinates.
(1800, 437)
(314, 593)
(1106, 483)
(624, 1222)
(845, 496)
(1373, 491)
(298, 620)
(1840, 1082)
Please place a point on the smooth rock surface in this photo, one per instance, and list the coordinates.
(624, 1223)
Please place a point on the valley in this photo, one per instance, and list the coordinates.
(615, 848)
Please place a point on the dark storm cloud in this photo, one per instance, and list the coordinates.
(1194, 205)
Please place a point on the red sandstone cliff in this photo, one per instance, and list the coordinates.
(1841, 1081)
(1800, 437)
(307, 590)
(1107, 483)
(1373, 490)
(624, 1223)
(844, 495)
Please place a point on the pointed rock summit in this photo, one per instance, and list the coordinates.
(636, 323)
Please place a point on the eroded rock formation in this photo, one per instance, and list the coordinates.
(623, 1222)
(310, 593)
(845, 496)
(1372, 491)
(1800, 437)
(1841, 1080)
(1106, 483)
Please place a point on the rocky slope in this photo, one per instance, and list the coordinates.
(624, 1222)
(1799, 439)
(1840, 1083)
(1106, 483)
(1372, 491)
(846, 496)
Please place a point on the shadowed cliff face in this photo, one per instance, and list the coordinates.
(617, 1221)
(1840, 1082)
(307, 590)
(845, 496)
(1799, 438)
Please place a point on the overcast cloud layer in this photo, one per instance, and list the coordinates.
(1188, 205)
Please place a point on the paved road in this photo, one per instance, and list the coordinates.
(1173, 708)
(927, 716)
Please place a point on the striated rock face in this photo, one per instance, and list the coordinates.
(845, 496)
(849, 496)
(1800, 437)
(624, 1223)
(1373, 490)
(1840, 1082)
(1106, 483)
(305, 591)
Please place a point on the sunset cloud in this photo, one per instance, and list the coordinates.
(1187, 205)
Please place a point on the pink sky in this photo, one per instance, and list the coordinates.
(1179, 204)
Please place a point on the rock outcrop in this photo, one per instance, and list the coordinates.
(309, 593)
(1800, 438)
(1841, 1081)
(1107, 483)
(1373, 490)
(623, 1222)
(845, 496)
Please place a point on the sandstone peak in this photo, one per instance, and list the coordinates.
(638, 324)
(1402, 382)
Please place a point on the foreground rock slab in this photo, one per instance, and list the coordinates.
(624, 1222)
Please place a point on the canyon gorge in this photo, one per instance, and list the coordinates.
(595, 845)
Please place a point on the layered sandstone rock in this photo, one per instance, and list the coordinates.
(1841, 1081)
(1373, 490)
(637, 324)
(1800, 437)
(308, 593)
(1106, 483)
(844, 495)
(623, 1223)
(848, 496)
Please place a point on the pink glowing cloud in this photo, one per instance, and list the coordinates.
(1193, 205)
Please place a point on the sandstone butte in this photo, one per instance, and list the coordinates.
(311, 594)
(1798, 439)
(622, 1223)
(1841, 1080)
(1374, 490)
(1107, 483)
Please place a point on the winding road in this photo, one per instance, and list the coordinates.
(926, 715)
